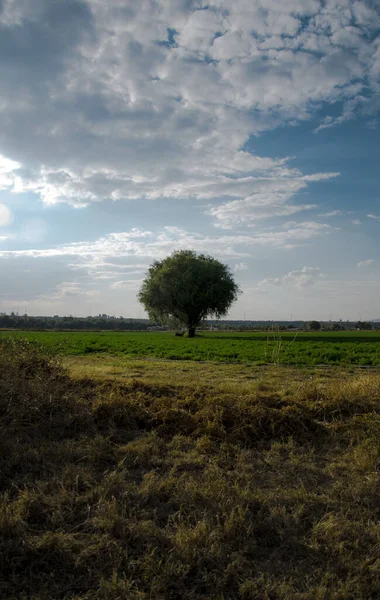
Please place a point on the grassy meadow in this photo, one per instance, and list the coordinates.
(301, 349)
(147, 479)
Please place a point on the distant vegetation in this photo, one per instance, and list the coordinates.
(99, 322)
(296, 348)
(141, 491)
(105, 322)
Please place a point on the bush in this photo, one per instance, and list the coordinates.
(37, 397)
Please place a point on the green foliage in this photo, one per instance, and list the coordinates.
(139, 491)
(303, 349)
(56, 323)
(314, 325)
(189, 288)
(363, 325)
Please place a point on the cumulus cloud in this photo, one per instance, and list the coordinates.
(109, 100)
(7, 171)
(365, 263)
(305, 277)
(356, 222)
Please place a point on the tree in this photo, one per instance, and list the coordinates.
(314, 325)
(363, 325)
(188, 287)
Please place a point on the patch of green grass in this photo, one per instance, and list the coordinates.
(145, 490)
(305, 349)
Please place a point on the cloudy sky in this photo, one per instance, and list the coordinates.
(248, 130)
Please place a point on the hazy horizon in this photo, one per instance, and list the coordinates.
(249, 132)
(210, 319)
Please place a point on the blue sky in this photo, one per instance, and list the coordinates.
(245, 130)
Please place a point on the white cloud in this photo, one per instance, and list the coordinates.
(305, 277)
(356, 222)
(67, 289)
(376, 217)
(132, 284)
(7, 171)
(365, 263)
(114, 108)
(332, 213)
(268, 198)
(353, 106)
(6, 216)
(241, 266)
(106, 255)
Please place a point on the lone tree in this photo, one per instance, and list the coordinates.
(314, 325)
(188, 287)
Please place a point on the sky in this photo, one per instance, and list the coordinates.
(246, 130)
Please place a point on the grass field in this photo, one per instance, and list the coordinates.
(302, 349)
(140, 480)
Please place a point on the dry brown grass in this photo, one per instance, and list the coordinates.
(236, 377)
(178, 490)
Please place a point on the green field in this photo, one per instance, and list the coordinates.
(302, 349)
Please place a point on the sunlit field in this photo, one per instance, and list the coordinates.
(302, 349)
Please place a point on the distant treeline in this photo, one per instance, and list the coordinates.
(101, 322)
(106, 323)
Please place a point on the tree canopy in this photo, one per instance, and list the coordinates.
(188, 287)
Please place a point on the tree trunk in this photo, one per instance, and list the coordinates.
(191, 332)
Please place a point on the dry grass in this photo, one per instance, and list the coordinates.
(175, 489)
(234, 376)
